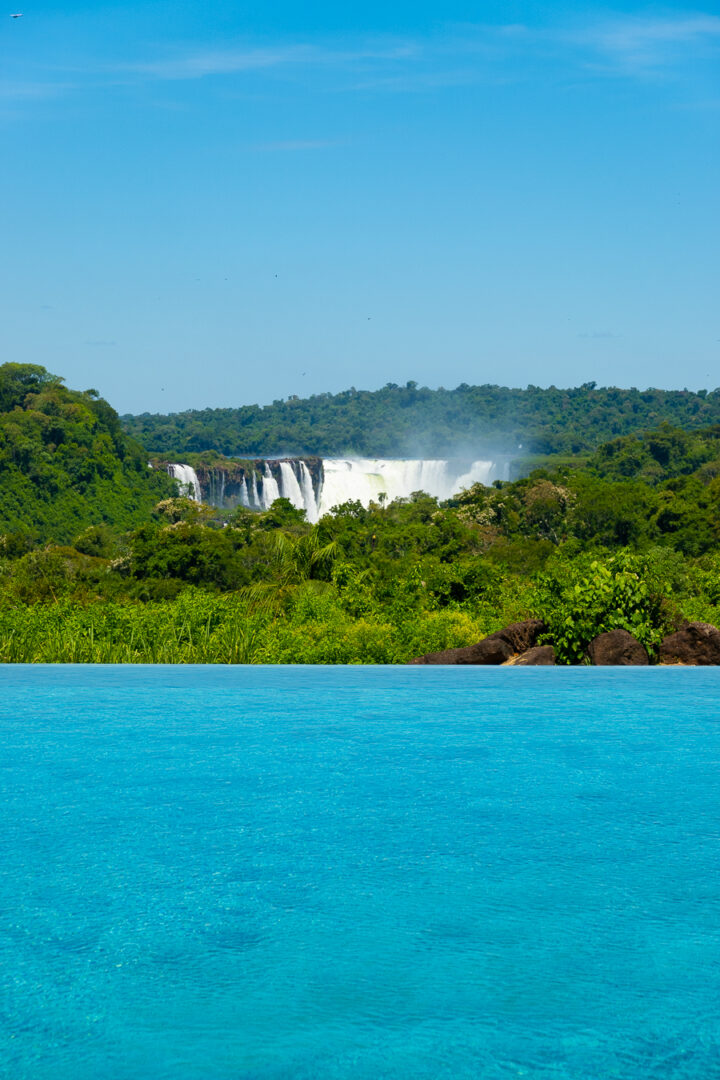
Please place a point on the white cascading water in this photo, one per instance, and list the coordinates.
(364, 480)
(344, 480)
(308, 493)
(270, 489)
(188, 481)
(289, 485)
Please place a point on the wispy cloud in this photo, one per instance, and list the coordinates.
(199, 64)
(703, 105)
(419, 81)
(31, 91)
(636, 44)
(289, 145)
(630, 46)
(202, 63)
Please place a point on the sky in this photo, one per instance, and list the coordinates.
(218, 204)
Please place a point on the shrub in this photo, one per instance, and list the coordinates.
(580, 600)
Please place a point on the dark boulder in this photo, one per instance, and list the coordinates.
(495, 649)
(539, 656)
(617, 647)
(697, 643)
(492, 650)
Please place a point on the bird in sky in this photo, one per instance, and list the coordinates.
(17, 15)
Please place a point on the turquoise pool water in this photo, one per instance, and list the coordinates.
(366, 873)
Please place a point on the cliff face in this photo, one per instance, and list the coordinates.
(221, 484)
(227, 483)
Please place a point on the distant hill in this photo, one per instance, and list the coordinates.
(65, 461)
(413, 421)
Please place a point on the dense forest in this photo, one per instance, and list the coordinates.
(628, 536)
(65, 461)
(412, 421)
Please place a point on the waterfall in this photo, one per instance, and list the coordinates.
(342, 480)
(270, 489)
(289, 485)
(481, 472)
(308, 493)
(364, 480)
(187, 481)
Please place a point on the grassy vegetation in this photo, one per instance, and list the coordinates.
(201, 629)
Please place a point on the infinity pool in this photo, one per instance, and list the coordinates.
(359, 873)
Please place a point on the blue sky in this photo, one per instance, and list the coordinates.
(219, 204)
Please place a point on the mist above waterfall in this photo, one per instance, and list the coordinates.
(317, 485)
(365, 480)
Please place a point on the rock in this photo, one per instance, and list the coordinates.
(491, 650)
(539, 656)
(697, 643)
(617, 648)
(495, 649)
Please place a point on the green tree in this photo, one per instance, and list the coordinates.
(579, 600)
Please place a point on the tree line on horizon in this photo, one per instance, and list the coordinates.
(414, 421)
